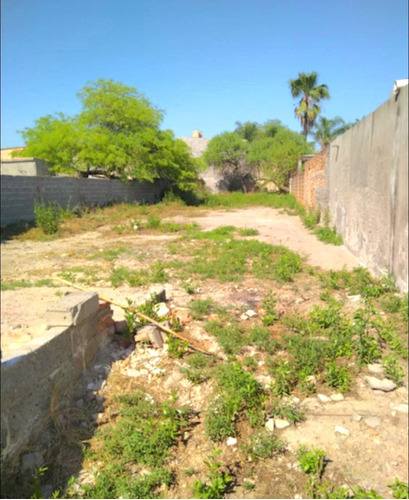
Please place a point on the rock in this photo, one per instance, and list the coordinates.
(120, 326)
(161, 309)
(373, 422)
(270, 424)
(356, 418)
(323, 398)
(153, 333)
(402, 407)
(375, 368)
(296, 400)
(312, 379)
(299, 300)
(354, 298)
(337, 397)
(157, 290)
(31, 462)
(250, 313)
(280, 423)
(384, 385)
(182, 315)
(231, 441)
(244, 316)
(341, 430)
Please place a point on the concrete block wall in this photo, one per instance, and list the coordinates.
(18, 193)
(367, 188)
(33, 377)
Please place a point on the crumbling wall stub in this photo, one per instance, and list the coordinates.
(52, 364)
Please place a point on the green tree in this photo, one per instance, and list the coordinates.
(311, 94)
(325, 130)
(247, 130)
(276, 154)
(116, 134)
(227, 152)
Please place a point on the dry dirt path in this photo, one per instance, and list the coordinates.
(278, 228)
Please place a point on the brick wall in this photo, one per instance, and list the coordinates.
(307, 179)
(18, 193)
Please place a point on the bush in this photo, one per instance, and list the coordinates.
(48, 217)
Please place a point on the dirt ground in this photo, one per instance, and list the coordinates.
(370, 451)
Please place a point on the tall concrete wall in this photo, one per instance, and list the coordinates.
(367, 188)
(26, 166)
(18, 193)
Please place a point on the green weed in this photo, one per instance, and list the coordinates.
(248, 232)
(122, 275)
(263, 445)
(393, 370)
(48, 216)
(311, 461)
(287, 411)
(14, 285)
(311, 218)
(177, 347)
(158, 273)
(399, 488)
(269, 305)
(201, 307)
(261, 338)
(328, 235)
(153, 222)
(338, 377)
(218, 481)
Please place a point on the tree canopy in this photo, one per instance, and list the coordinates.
(311, 94)
(116, 134)
(270, 150)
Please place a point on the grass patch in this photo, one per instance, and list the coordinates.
(263, 445)
(328, 235)
(201, 307)
(241, 200)
(15, 285)
(248, 232)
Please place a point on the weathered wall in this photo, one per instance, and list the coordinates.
(367, 188)
(26, 166)
(18, 193)
(33, 377)
(309, 177)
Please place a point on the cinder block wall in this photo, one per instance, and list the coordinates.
(367, 188)
(18, 193)
(33, 378)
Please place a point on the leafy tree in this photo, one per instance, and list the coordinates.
(277, 154)
(326, 130)
(116, 134)
(311, 94)
(227, 152)
(247, 130)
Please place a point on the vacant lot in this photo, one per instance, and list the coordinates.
(282, 408)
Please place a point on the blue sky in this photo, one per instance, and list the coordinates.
(207, 63)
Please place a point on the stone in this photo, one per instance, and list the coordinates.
(280, 423)
(312, 379)
(31, 462)
(373, 422)
(270, 424)
(375, 368)
(231, 441)
(157, 290)
(244, 317)
(296, 400)
(402, 407)
(354, 298)
(337, 397)
(356, 418)
(323, 398)
(161, 309)
(250, 313)
(341, 430)
(153, 333)
(384, 385)
(182, 315)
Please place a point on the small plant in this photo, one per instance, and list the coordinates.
(158, 273)
(286, 266)
(48, 216)
(176, 347)
(311, 218)
(269, 304)
(190, 471)
(153, 222)
(218, 481)
(399, 489)
(200, 308)
(263, 445)
(328, 235)
(247, 232)
(311, 461)
(189, 288)
(248, 486)
(287, 411)
(338, 377)
(393, 370)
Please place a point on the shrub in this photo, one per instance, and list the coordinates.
(48, 217)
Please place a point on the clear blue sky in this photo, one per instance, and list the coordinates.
(207, 63)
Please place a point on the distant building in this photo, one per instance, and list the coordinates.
(20, 165)
(197, 143)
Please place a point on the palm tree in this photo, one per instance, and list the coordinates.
(326, 130)
(311, 94)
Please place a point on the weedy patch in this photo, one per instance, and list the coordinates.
(263, 445)
(218, 481)
(14, 285)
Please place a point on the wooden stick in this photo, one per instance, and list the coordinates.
(192, 344)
